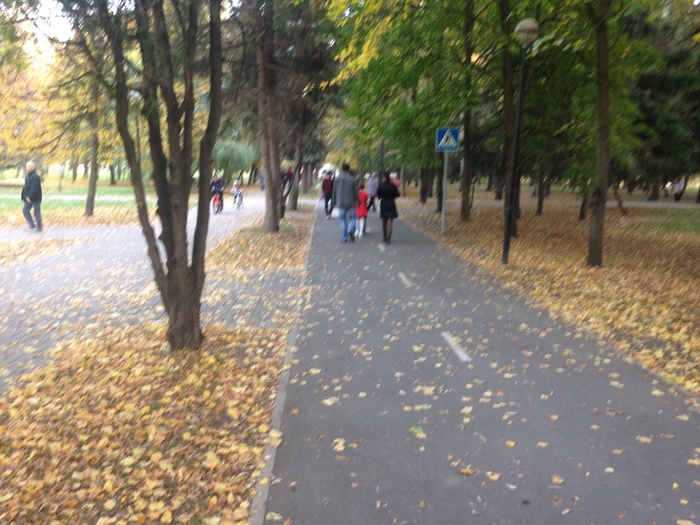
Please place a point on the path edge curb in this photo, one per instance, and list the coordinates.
(258, 505)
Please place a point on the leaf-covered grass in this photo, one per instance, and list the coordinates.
(70, 213)
(253, 248)
(120, 429)
(645, 297)
(123, 430)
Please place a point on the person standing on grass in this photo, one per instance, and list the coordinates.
(327, 190)
(345, 197)
(387, 192)
(31, 196)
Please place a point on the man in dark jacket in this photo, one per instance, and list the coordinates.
(345, 196)
(31, 196)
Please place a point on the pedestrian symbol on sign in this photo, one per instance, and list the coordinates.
(447, 139)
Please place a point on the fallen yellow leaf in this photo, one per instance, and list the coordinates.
(557, 480)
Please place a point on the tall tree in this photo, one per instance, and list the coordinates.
(94, 120)
(176, 57)
(467, 168)
(599, 16)
(267, 116)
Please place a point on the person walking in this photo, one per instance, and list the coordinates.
(31, 196)
(345, 197)
(387, 192)
(372, 184)
(678, 189)
(361, 211)
(327, 190)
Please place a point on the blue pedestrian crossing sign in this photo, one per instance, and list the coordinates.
(447, 139)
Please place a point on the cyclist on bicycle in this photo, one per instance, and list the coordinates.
(217, 188)
(237, 192)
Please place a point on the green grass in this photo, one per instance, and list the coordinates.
(675, 220)
(79, 187)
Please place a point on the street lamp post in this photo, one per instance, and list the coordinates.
(527, 32)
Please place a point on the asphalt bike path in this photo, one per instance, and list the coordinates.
(421, 392)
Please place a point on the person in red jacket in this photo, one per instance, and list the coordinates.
(361, 211)
(327, 190)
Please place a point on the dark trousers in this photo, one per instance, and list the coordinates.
(328, 197)
(26, 211)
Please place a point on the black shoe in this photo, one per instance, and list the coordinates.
(352, 236)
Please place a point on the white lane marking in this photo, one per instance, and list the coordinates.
(405, 280)
(381, 248)
(459, 352)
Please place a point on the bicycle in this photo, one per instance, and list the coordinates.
(237, 197)
(217, 203)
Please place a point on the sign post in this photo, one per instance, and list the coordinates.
(446, 140)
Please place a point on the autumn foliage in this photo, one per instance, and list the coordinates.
(119, 428)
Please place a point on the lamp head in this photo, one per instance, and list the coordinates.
(527, 31)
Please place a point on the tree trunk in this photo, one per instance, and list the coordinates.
(424, 179)
(432, 174)
(499, 187)
(469, 19)
(304, 178)
(599, 193)
(112, 174)
(516, 201)
(253, 175)
(440, 189)
(264, 16)
(308, 177)
(94, 148)
(74, 167)
(297, 173)
(540, 192)
(583, 210)
(655, 192)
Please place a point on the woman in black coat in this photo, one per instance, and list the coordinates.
(387, 193)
